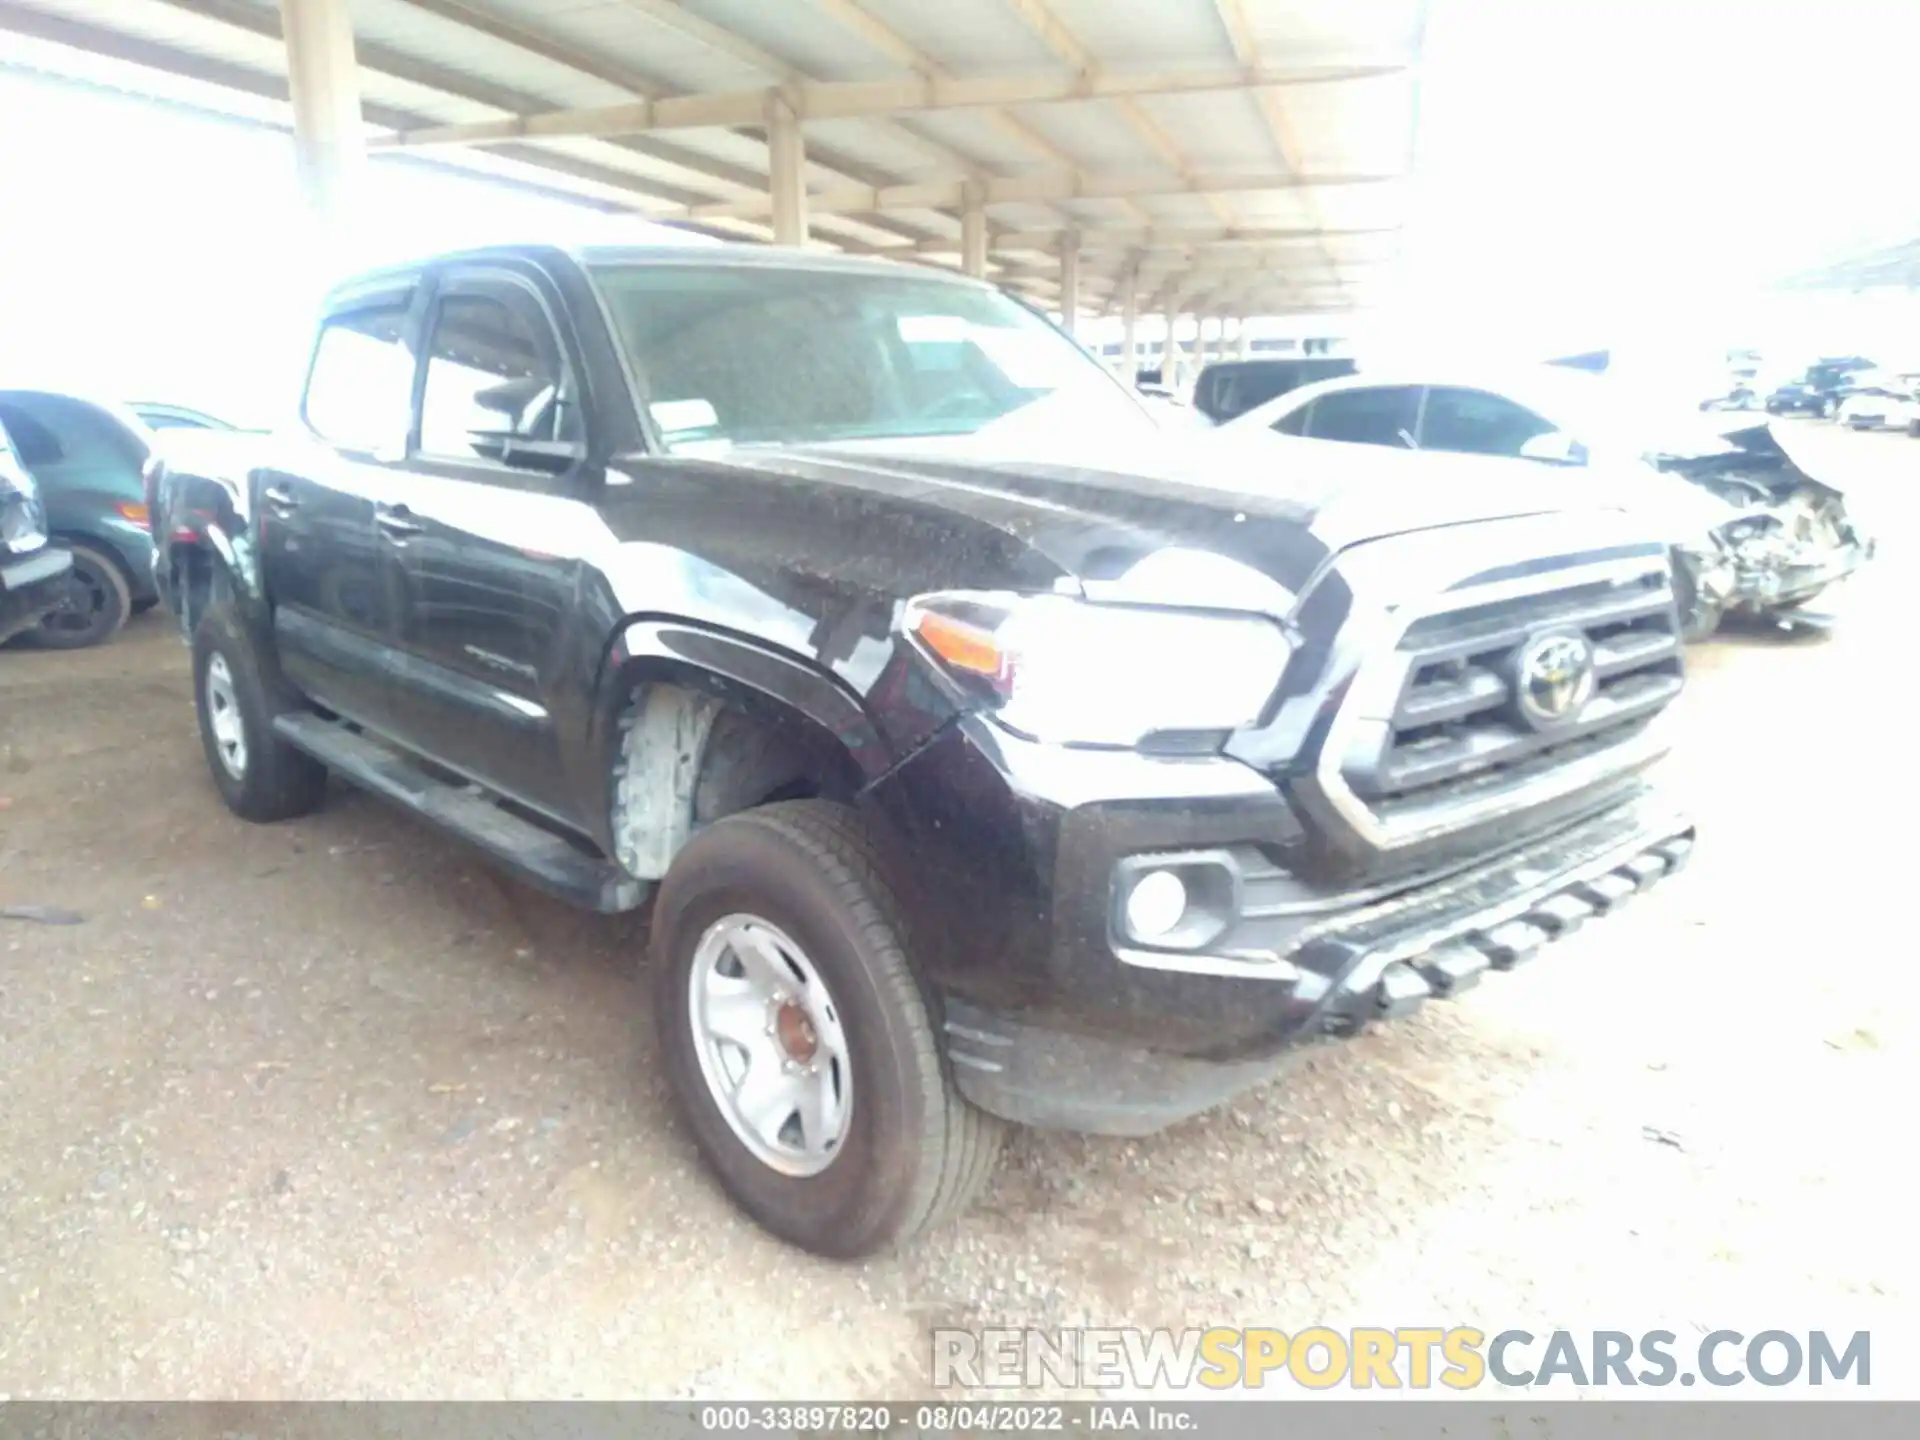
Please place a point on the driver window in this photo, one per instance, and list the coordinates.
(493, 376)
(1474, 422)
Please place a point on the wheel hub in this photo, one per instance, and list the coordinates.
(770, 1045)
(796, 1033)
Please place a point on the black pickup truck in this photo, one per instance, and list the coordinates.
(987, 752)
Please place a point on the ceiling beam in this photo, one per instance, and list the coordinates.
(582, 62)
(1273, 110)
(852, 99)
(1025, 189)
(1054, 34)
(709, 177)
(904, 53)
(1109, 239)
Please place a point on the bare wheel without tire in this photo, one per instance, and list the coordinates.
(799, 1044)
(237, 692)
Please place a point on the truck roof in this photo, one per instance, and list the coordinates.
(768, 257)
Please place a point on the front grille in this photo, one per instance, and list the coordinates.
(1457, 727)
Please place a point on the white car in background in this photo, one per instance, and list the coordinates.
(1881, 402)
(1751, 531)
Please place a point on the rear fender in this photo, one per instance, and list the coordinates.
(206, 547)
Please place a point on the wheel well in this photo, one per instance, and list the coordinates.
(100, 547)
(692, 751)
(190, 584)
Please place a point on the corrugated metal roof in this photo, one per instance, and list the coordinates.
(1201, 161)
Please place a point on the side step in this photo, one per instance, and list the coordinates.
(536, 855)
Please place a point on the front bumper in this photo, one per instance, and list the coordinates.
(1076, 1055)
(31, 587)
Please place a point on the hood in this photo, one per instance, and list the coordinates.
(964, 512)
(1750, 462)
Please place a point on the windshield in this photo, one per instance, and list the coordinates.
(751, 355)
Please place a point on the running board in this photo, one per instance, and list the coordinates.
(536, 855)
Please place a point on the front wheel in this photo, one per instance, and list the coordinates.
(801, 1049)
(237, 692)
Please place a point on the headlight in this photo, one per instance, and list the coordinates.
(1068, 671)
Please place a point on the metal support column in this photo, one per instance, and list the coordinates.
(786, 172)
(1070, 282)
(1170, 351)
(973, 231)
(323, 80)
(1129, 328)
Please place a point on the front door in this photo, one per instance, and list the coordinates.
(489, 530)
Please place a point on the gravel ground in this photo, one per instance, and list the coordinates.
(330, 1109)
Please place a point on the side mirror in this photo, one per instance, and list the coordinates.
(550, 457)
(1556, 447)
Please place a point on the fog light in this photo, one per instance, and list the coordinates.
(1156, 905)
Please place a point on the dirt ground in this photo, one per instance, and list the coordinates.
(330, 1109)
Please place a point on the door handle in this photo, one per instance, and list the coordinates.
(397, 521)
(280, 499)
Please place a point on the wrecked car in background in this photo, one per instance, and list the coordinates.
(1751, 531)
(33, 574)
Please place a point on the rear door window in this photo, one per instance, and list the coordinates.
(1376, 415)
(1475, 422)
(1294, 422)
(33, 443)
(360, 389)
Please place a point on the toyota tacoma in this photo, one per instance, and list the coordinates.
(986, 752)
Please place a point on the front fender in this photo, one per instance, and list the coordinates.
(737, 670)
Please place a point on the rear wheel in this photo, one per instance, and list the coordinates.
(97, 603)
(237, 692)
(800, 1046)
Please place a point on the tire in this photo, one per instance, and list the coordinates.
(1913, 429)
(912, 1152)
(98, 604)
(270, 780)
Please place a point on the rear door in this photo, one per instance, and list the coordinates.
(489, 528)
(334, 587)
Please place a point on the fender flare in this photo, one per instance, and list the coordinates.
(733, 669)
